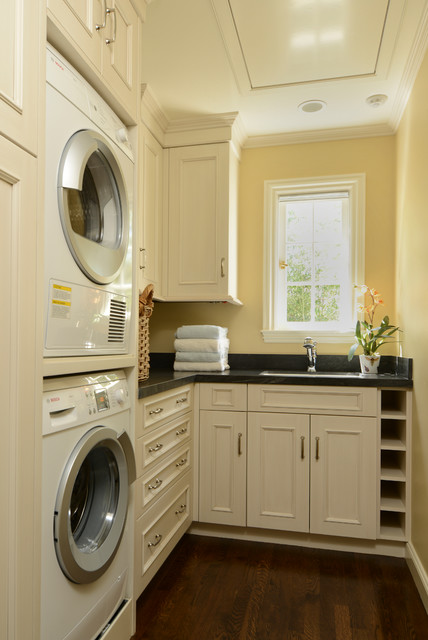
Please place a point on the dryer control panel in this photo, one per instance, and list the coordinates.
(75, 400)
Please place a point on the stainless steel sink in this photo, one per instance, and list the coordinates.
(312, 374)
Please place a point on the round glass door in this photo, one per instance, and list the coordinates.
(91, 506)
(93, 206)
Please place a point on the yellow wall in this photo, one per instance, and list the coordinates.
(373, 156)
(411, 286)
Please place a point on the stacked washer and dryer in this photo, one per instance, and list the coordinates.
(88, 457)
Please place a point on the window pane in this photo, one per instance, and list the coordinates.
(299, 221)
(327, 301)
(298, 304)
(328, 220)
(328, 262)
(299, 260)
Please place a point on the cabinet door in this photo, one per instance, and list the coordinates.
(77, 21)
(222, 481)
(150, 213)
(19, 72)
(120, 53)
(278, 471)
(20, 394)
(343, 476)
(198, 263)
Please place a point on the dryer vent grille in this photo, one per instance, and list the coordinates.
(117, 321)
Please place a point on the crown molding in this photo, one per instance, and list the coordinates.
(323, 135)
(140, 7)
(411, 70)
(152, 114)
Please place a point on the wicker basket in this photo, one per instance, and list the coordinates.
(145, 311)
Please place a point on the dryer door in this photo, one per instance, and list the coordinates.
(92, 503)
(93, 206)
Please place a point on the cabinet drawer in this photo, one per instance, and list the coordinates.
(356, 401)
(156, 528)
(154, 484)
(157, 444)
(223, 397)
(163, 406)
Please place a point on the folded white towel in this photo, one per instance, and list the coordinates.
(201, 344)
(201, 366)
(201, 331)
(200, 356)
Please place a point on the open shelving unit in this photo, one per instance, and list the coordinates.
(395, 464)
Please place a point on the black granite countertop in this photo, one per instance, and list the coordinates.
(247, 369)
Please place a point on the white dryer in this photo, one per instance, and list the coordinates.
(88, 219)
(87, 540)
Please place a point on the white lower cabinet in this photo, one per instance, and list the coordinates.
(222, 479)
(163, 488)
(290, 471)
(278, 471)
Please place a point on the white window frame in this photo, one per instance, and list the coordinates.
(354, 184)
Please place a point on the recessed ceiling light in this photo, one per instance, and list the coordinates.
(377, 100)
(311, 106)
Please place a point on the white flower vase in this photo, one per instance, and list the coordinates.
(369, 364)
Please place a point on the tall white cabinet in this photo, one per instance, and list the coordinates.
(150, 211)
(21, 49)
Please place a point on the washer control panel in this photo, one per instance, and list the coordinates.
(76, 400)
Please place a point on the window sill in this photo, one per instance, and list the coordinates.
(281, 336)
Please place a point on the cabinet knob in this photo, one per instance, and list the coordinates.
(239, 444)
(222, 270)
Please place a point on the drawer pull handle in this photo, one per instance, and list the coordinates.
(103, 25)
(158, 538)
(239, 444)
(158, 446)
(181, 431)
(302, 447)
(112, 11)
(317, 448)
(182, 509)
(181, 400)
(154, 412)
(181, 463)
(156, 484)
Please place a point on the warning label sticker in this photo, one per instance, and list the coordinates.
(60, 301)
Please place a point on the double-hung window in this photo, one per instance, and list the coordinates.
(314, 255)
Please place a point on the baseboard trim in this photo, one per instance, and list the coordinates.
(418, 572)
(380, 547)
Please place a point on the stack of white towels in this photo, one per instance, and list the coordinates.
(201, 347)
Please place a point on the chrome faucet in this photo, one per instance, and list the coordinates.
(311, 349)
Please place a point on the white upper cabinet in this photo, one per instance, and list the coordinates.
(150, 197)
(101, 38)
(19, 72)
(202, 223)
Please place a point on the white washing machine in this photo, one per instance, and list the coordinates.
(87, 540)
(88, 219)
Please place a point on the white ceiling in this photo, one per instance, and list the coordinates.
(264, 58)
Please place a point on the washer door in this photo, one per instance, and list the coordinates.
(93, 206)
(92, 504)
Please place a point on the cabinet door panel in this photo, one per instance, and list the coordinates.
(120, 53)
(19, 72)
(78, 20)
(278, 471)
(343, 476)
(150, 221)
(222, 486)
(198, 222)
(20, 394)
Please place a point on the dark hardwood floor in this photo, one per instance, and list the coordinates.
(217, 589)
